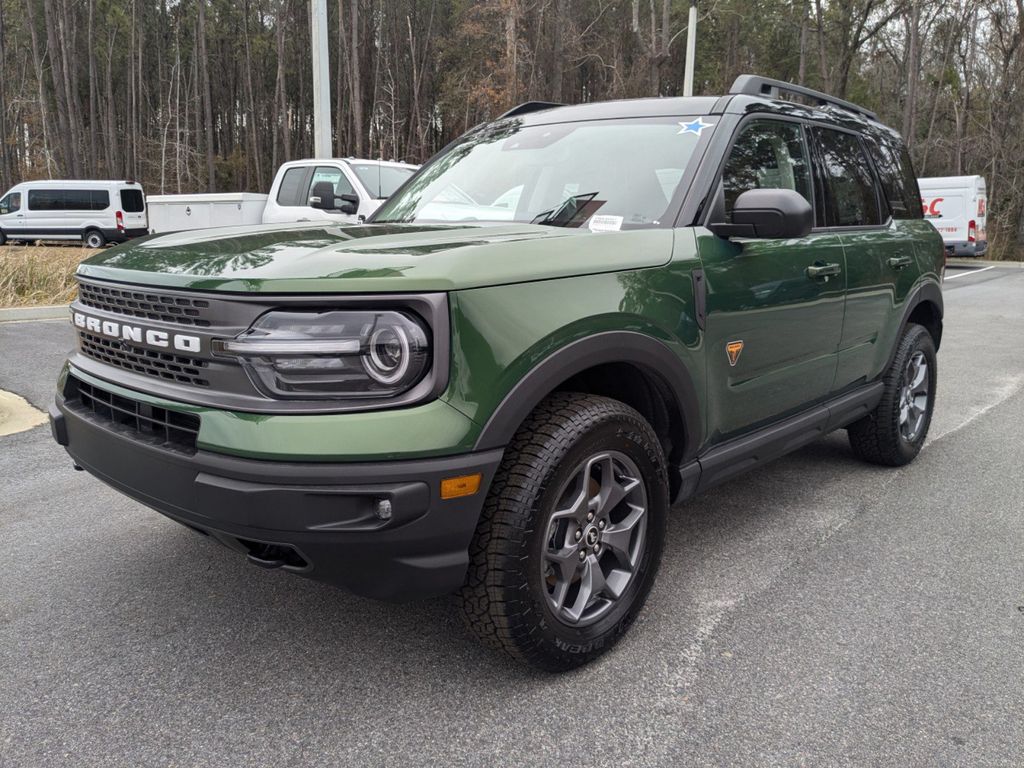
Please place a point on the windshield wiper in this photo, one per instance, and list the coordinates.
(566, 213)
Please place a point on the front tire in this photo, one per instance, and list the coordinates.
(94, 239)
(571, 534)
(893, 434)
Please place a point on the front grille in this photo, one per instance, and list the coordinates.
(146, 304)
(164, 365)
(159, 427)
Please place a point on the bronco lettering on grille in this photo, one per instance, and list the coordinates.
(115, 330)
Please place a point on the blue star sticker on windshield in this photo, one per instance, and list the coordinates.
(696, 126)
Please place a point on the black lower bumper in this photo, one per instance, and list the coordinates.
(324, 521)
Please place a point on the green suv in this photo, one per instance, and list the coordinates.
(571, 319)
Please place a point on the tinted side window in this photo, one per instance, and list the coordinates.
(911, 191)
(899, 185)
(291, 189)
(852, 200)
(45, 200)
(131, 201)
(769, 154)
(78, 199)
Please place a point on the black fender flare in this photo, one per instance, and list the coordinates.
(926, 292)
(652, 356)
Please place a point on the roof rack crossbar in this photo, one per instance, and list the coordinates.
(752, 85)
(530, 106)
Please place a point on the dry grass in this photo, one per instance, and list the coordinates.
(33, 275)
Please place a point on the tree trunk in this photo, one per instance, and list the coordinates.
(204, 74)
(913, 70)
(355, 79)
(254, 153)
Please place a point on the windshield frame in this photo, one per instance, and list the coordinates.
(667, 221)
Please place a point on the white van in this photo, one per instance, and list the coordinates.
(957, 206)
(301, 189)
(95, 212)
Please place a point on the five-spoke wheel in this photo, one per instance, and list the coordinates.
(595, 537)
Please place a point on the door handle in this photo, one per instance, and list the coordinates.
(899, 262)
(823, 270)
(302, 220)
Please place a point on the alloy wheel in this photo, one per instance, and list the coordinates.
(914, 397)
(595, 538)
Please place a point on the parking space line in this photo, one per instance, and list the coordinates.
(968, 272)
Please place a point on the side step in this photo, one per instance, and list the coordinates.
(729, 459)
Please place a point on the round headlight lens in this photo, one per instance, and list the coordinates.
(387, 356)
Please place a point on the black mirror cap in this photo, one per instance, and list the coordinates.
(351, 204)
(322, 196)
(770, 214)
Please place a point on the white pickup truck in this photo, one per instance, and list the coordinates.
(342, 190)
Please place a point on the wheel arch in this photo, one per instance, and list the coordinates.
(925, 307)
(628, 366)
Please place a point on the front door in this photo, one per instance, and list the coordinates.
(342, 186)
(774, 307)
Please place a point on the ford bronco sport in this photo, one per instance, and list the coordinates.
(571, 319)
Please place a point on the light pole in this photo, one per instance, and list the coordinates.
(321, 79)
(691, 50)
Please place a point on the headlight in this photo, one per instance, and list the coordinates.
(332, 355)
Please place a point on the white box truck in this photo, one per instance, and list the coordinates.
(957, 206)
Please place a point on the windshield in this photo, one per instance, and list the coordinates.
(605, 174)
(381, 180)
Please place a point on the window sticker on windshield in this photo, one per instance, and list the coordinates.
(605, 223)
(695, 126)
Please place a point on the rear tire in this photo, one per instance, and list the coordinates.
(3, 238)
(583, 477)
(893, 434)
(94, 239)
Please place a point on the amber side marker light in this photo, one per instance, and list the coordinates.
(464, 485)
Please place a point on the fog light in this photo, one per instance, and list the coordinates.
(464, 485)
(383, 510)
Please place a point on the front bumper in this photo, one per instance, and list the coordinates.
(316, 519)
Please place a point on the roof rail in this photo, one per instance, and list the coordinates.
(530, 106)
(752, 85)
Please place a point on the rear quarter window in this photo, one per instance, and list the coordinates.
(896, 174)
(292, 188)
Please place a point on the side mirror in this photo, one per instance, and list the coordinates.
(768, 214)
(323, 196)
(351, 204)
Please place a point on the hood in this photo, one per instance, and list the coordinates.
(324, 258)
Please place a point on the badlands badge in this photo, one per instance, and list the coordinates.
(733, 349)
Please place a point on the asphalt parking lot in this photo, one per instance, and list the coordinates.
(818, 611)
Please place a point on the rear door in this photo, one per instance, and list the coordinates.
(872, 223)
(946, 209)
(133, 208)
(774, 307)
